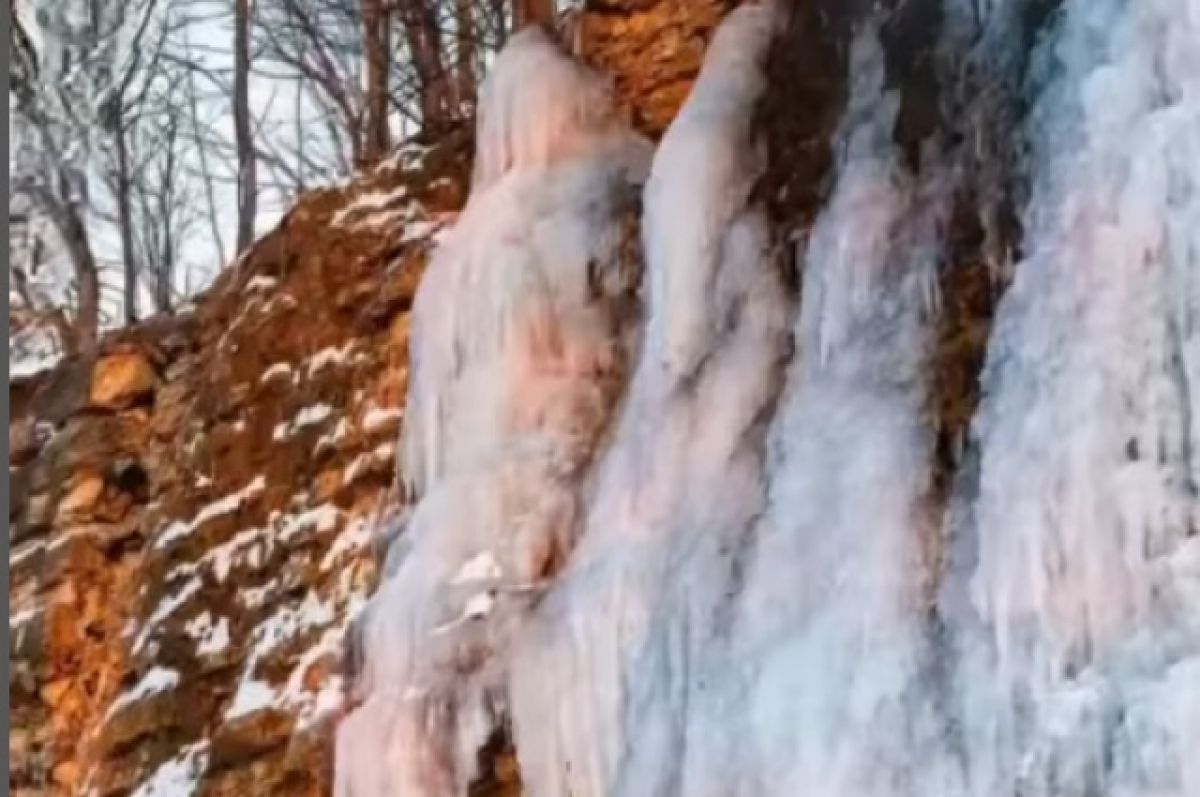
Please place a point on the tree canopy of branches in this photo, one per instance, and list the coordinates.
(144, 130)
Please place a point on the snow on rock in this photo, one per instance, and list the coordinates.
(307, 416)
(166, 607)
(278, 370)
(250, 546)
(379, 417)
(179, 530)
(254, 598)
(156, 681)
(331, 439)
(355, 537)
(381, 453)
(252, 696)
(22, 553)
(330, 356)
(211, 637)
(418, 230)
(289, 622)
(178, 776)
(16, 620)
(368, 208)
(261, 282)
(319, 520)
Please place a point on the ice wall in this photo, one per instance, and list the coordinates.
(1082, 653)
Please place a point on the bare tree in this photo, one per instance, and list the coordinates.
(466, 51)
(247, 181)
(376, 21)
(50, 90)
(201, 145)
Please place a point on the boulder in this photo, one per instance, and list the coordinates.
(120, 381)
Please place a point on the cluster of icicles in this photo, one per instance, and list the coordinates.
(671, 526)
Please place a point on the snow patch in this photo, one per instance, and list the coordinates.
(277, 370)
(355, 537)
(329, 356)
(212, 638)
(378, 417)
(179, 776)
(261, 282)
(231, 503)
(331, 439)
(23, 552)
(317, 520)
(308, 416)
(154, 682)
(252, 695)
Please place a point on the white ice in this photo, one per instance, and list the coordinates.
(518, 351)
(1078, 569)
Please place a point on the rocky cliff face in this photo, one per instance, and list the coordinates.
(190, 528)
(191, 519)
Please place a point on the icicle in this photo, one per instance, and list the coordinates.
(1086, 581)
(518, 353)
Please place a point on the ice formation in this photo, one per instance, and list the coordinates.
(600, 704)
(834, 597)
(684, 540)
(1082, 642)
(520, 346)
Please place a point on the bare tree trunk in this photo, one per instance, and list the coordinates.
(87, 280)
(214, 223)
(421, 30)
(298, 113)
(376, 45)
(533, 12)
(165, 273)
(125, 223)
(247, 181)
(465, 57)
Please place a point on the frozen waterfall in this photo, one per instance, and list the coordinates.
(672, 527)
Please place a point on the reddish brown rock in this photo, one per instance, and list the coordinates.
(121, 380)
(82, 496)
